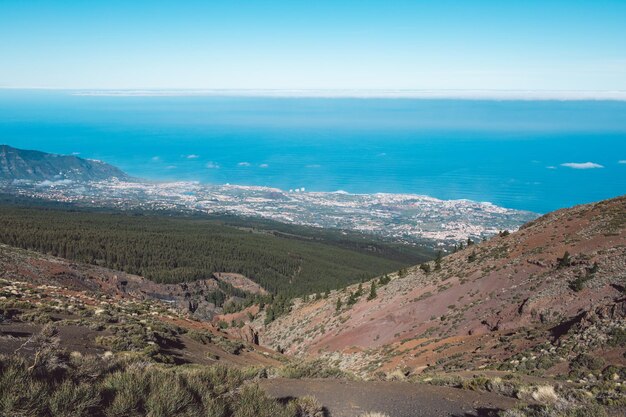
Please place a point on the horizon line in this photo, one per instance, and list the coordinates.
(460, 94)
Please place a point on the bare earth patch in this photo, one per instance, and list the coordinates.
(396, 399)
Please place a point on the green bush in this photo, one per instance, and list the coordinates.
(564, 261)
(20, 394)
(617, 337)
(199, 336)
(170, 396)
(311, 369)
(73, 400)
(125, 392)
(384, 280)
(587, 361)
(254, 403)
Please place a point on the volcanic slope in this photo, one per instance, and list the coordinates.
(533, 300)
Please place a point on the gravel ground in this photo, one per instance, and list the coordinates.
(395, 399)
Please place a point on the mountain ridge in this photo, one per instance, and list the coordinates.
(22, 164)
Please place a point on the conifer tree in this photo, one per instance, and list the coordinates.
(372, 291)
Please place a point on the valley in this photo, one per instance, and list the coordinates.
(317, 303)
(174, 248)
(312, 209)
(534, 318)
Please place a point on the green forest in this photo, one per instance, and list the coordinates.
(285, 260)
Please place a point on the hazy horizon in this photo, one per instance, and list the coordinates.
(443, 94)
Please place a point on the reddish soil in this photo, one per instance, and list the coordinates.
(499, 288)
(240, 281)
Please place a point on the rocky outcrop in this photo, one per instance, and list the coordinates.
(611, 312)
(247, 333)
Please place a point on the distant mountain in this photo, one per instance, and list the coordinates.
(19, 164)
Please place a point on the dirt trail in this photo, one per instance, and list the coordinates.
(395, 399)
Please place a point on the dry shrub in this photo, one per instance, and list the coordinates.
(545, 394)
(253, 402)
(125, 392)
(396, 375)
(589, 410)
(307, 407)
(71, 400)
(311, 369)
(57, 384)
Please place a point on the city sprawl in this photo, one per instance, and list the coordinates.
(398, 217)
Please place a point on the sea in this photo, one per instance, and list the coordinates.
(521, 154)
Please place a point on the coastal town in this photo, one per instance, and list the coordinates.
(407, 218)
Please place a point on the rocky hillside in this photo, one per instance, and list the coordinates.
(18, 164)
(196, 298)
(96, 310)
(533, 300)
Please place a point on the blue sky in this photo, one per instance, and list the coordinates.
(361, 44)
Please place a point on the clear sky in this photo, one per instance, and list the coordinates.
(314, 44)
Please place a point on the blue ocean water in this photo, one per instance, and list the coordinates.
(506, 152)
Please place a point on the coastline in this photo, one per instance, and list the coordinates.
(406, 218)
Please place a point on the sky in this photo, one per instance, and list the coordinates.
(338, 44)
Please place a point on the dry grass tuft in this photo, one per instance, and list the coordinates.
(396, 375)
(545, 394)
